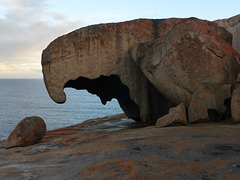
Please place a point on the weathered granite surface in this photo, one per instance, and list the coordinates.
(96, 58)
(113, 148)
(148, 65)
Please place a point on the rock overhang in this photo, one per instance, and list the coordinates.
(108, 50)
(107, 88)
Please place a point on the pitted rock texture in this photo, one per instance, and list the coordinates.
(89, 151)
(28, 131)
(233, 26)
(174, 55)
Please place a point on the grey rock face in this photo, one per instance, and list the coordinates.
(233, 26)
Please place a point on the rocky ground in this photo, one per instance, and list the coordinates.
(119, 148)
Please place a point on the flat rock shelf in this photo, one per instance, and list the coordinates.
(119, 148)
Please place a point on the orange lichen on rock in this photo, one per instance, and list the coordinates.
(111, 169)
(96, 150)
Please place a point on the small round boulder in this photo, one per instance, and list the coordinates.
(28, 132)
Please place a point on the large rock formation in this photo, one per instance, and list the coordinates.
(97, 58)
(233, 26)
(147, 65)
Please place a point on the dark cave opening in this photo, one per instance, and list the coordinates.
(107, 88)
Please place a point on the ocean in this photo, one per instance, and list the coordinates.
(20, 98)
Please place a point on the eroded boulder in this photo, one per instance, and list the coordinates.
(94, 57)
(28, 132)
(174, 56)
(176, 115)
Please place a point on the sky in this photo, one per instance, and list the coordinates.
(28, 26)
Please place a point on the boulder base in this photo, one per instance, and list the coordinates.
(176, 115)
(208, 102)
(235, 105)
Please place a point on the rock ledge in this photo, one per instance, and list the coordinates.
(113, 147)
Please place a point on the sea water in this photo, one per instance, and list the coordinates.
(20, 98)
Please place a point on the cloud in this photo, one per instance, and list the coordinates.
(26, 28)
(8, 66)
(59, 16)
(36, 69)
